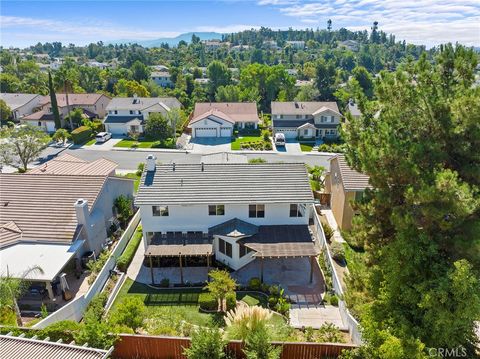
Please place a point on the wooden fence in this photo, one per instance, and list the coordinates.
(160, 347)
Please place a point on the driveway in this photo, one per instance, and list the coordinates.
(105, 146)
(210, 145)
(292, 148)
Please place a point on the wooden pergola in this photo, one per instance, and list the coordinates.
(182, 251)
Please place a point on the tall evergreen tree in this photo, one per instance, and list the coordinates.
(53, 101)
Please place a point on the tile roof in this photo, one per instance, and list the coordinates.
(42, 206)
(298, 123)
(160, 74)
(212, 112)
(351, 179)
(225, 183)
(40, 115)
(26, 348)
(237, 111)
(16, 100)
(142, 103)
(122, 118)
(234, 228)
(70, 165)
(301, 108)
(75, 99)
(224, 157)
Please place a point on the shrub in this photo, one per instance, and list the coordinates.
(221, 285)
(81, 135)
(338, 252)
(334, 300)
(256, 160)
(244, 319)
(124, 207)
(130, 313)
(64, 330)
(165, 283)
(96, 266)
(272, 301)
(327, 230)
(206, 343)
(329, 333)
(266, 135)
(258, 346)
(254, 283)
(124, 260)
(140, 168)
(274, 290)
(282, 306)
(207, 301)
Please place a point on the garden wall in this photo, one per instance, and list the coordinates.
(161, 347)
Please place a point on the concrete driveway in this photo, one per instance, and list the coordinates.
(211, 145)
(292, 148)
(105, 146)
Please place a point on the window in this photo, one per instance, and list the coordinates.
(39, 123)
(228, 249)
(256, 211)
(332, 118)
(244, 250)
(295, 211)
(298, 116)
(281, 116)
(305, 132)
(116, 112)
(131, 112)
(216, 210)
(224, 247)
(160, 211)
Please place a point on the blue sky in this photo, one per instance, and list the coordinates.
(428, 22)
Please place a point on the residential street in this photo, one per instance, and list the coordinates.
(128, 160)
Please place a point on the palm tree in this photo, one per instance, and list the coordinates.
(65, 77)
(13, 288)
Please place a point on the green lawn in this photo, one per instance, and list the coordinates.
(306, 146)
(253, 298)
(91, 142)
(126, 143)
(236, 145)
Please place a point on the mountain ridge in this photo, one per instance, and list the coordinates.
(171, 41)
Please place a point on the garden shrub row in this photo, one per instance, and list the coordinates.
(81, 135)
(208, 302)
(257, 145)
(124, 260)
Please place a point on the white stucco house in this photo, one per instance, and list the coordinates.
(306, 120)
(129, 114)
(219, 119)
(201, 211)
(161, 78)
(54, 214)
(21, 104)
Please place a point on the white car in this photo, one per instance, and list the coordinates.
(103, 137)
(279, 139)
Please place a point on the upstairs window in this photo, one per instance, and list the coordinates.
(160, 211)
(256, 211)
(295, 210)
(216, 210)
(332, 118)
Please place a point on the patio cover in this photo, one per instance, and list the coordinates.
(52, 258)
(174, 250)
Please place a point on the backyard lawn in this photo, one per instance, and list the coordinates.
(141, 143)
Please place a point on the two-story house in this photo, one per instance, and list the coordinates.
(161, 78)
(234, 213)
(306, 120)
(218, 119)
(21, 104)
(129, 114)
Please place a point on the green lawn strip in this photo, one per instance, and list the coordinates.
(306, 146)
(126, 143)
(253, 298)
(91, 142)
(236, 145)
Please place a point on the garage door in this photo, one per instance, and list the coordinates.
(225, 132)
(288, 133)
(206, 132)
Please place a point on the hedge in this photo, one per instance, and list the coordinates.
(81, 135)
(207, 301)
(124, 260)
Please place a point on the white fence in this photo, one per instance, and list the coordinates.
(347, 318)
(75, 309)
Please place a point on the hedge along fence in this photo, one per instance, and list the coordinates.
(81, 135)
(126, 258)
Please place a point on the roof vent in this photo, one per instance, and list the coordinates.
(296, 105)
(173, 167)
(203, 167)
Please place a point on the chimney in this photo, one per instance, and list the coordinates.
(203, 167)
(81, 210)
(151, 163)
(173, 166)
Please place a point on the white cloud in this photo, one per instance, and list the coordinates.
(226, 29)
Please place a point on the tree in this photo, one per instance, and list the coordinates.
(90, 79)
(130, 312)
(124, 208)
(325, 79)
(374, 37)
(220, 285)
(157, 127)
(307, 93)
(174, 118)
(219, 75)
(5, 112)
(9, 83)
(206, 343)
(53, 102)
(229, 93)
(129, 88)
(140, 71)
(66, 77)
(76, 117)
(12, 288)
(61, 135)
(364, 79)
(22, 145)
(258, 346)
(420, 224)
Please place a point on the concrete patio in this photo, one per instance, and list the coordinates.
(316, 317)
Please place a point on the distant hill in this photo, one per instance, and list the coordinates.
(171, 41)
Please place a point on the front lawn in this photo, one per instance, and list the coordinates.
(91, 142)
(142, 143)
(307, 146)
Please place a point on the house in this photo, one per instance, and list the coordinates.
(70, 165)
(292, 72)
(161, 78)
(204, 212)
(270, 44)
(212, 45)
(350, 45)
(218, 119)
(21, 104)
(159, 68)
(301, 83)
(298, 45)
(352, 107)
(129, 114)
(240, 48)
(345, 186)
(306, 120)
(51, 220)
(98, 65)
(93, 105)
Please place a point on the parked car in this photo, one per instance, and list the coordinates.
(103, 137)
(279, 139)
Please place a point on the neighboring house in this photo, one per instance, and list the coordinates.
(129, 114)
(206, 211)
(161, 78)
(306, 120)
(70, 165)
(212, 45)
(160, 68)
(218, 119)
(350, 45)
(52, 220)
(202, 82)
(240, 48)
(292, 72)
(271, 44)
(93, 105)
(299, 45)
(21, 104)
(98, 65)
(301, 83)
(345, 186)
(354, 110)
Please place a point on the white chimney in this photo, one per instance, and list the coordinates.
(151, 163)
(81, 210)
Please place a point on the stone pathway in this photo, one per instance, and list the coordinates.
(315, 317)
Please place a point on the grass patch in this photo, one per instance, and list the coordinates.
(237, 144)
(306, 146)
(91, 142)
(142, 143)
(253, 298)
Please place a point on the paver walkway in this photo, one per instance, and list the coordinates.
(316, 317)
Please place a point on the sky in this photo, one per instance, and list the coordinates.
(426, 22)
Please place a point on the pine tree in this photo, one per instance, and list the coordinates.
(53, 102)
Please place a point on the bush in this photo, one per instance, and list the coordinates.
(165, 283)
(272, 301)
(140, 168)
(81, 135)
(60, 330)
(207, 301)
(130, 313)
(254, 283)
(338, 252)
(206, 343)
(334, 300)
(266, 135)
(124, 260)
(327, 230)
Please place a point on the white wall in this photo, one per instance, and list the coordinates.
(195, 217)
(26, 109)
(235, 262)
(47, 126)
(208, 123)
